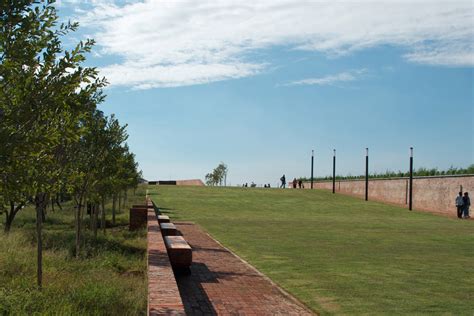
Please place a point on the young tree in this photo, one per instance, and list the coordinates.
(218, 175)
(44, 95)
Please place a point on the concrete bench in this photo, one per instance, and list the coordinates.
(179, 252)
(163, 219)
(168, 229)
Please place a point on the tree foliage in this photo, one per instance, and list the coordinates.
(54, 139)
(218, 176)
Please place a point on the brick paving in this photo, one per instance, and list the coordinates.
(222, 284)
(163, 294)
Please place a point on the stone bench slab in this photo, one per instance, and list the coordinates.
(163, 219)
(179, 252)
(168, 229)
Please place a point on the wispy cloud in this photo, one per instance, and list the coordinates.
(330, 79)
(174, 43)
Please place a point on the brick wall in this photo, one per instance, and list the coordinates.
(433, 194)
(138, 218)
(163, 292)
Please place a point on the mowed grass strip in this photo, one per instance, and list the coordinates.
(109, 278)
(338, 254)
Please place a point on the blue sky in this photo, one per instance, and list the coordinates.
(259, 85)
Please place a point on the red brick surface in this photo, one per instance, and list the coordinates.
(191, 182)
(138, 218)
(432, 194)
(222, 284)
(179, 252)
(163, 294)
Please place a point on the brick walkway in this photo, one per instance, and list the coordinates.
(222, 284)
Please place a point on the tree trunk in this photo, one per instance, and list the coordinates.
(96, 211)
(8, 221)
(102, 224)
(10, 215)
(120, 201)
(58, 201)
(114, 201)
(78, 227)
(90, 207)
(43, 212)
(8, 225)
(41, 201)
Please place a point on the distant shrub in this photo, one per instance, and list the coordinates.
(420, 172)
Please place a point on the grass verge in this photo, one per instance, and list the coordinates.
(109, 279)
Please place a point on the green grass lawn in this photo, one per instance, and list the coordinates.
(109, 279)
(338, 254)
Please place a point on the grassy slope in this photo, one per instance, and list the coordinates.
(339, 254)
(109, 280)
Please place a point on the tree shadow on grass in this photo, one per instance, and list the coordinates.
(196, 248)
(163, 210)
(56, 221)
(91, 247)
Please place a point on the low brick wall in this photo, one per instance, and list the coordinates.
(138, 218)
(433, 194)
(163, 292)
(192, 182)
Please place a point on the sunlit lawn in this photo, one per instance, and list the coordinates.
(335, 253)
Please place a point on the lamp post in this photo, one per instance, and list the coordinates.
(312, 167)
(410, 192)
(334, 172)
(367, 174)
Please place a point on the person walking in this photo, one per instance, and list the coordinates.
(294, 183)
(459, 204)
(283, 181)
(300, 183)
(466, 202)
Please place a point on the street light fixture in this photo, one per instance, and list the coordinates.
(334, 171)
(367, 174)
(312, 167)
(410, 196)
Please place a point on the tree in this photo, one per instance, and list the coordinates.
(218, 175)
(44, 95)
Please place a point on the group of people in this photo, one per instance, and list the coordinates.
(294, 183)
(246, 185)
(463, 202)
(254, 185)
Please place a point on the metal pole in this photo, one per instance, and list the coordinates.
(312, 167)
(334, 172)
(367, 174)
(410, 192)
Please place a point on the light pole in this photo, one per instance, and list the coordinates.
(334, 172)
(410, 192)
(312, 167)
(367, 174)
